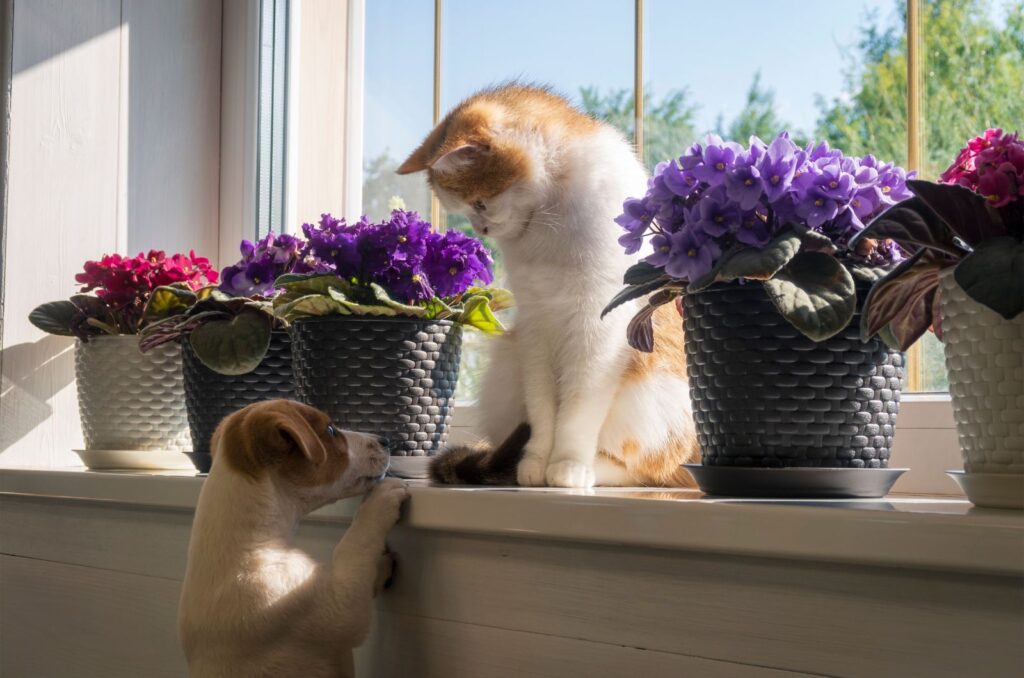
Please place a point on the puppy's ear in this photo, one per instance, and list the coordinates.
(253, 439)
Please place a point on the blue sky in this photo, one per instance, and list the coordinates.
(711, 48)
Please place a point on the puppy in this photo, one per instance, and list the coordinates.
(252, 605)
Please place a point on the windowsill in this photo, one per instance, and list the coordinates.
(899, 531)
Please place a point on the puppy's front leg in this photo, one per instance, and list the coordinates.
(358, 556)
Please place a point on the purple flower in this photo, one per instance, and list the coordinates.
(454, 261)
(754, 229)
(835, 183)
(692, 255)
(777, 167)
(816, 207)
(662, 248)
(261, 264)
(718, 215)
(718, 159)
(680, 182)
(743, 184)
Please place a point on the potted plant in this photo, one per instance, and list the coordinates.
(377, 325)
(235, 350)
(756, 240)
(965, 280)
(128, 401)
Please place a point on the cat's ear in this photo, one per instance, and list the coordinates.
(421, 158)
(457, 158)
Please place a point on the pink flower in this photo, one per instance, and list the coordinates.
(992, 165)
(999, 186)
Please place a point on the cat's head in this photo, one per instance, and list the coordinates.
(490, 159)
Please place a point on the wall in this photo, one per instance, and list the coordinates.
(114, 146)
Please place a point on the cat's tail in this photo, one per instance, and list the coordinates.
(482, 466)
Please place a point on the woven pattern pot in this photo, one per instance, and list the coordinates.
(765, 395)
(390, 376)
(129, 400)
(210, 396)
(985, 362)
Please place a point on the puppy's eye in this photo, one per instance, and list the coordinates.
(479, 206)
(331, 431)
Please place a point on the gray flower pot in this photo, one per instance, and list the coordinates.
(129, 400)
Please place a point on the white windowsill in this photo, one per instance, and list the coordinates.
(931, 533)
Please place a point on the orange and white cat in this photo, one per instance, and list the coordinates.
(546, 182)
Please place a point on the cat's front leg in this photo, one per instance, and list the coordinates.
(587, 388)
(540, 395)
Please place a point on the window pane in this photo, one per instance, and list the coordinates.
(398, 101)
(592, 65)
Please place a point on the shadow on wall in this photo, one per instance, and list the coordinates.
(32, 374)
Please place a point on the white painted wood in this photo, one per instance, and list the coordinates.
(172, 184)
(238, 125)
(401, 646)
(354, 109)
(63, 620)
(317, 124)
(62, 208)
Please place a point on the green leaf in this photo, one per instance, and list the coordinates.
(306, 285)
(993, 275)
(289, 278)
(477, 313)
(902, 303)
(167, 301)
(54, 317)
(90, 305)
(310, 305)
(814, 293)
(360, 309)
(403, 309)
(751, 263)
(868, 274)
(912, 224)
(205, 292)
(501, 298)
(642, 272)
(963, 210)
(234, 346)
(438, 310)
(812, 241)
(102, 326)
(640, 331)
(634, 292)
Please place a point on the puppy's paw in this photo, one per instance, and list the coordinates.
(385, 573)
(570, 473)
(530, 472)
(384, 502)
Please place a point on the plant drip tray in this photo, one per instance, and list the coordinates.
(992, 490)
(796, 482)
(141, 460)
(411, 467)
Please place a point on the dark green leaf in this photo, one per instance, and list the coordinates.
(993, 275)
(167, 301)
(634, 292)
(54, 317)
(642, 272)
(869, 274)
(963, 210)
(310, 305)
(913, 225)
(233, 346)
(751, 263)
(289, 278)
(814, 293)
(812, 241)
(102, 326)
(402, 309)
(306, 285)
(360, 309)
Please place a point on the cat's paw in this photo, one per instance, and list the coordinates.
(530, 472)
(570, 473)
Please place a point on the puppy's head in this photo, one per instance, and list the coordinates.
(300, 447)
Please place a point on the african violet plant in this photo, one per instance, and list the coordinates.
(229, 327)
(973, 222)
(129, 293)
(398, 267)
(775, 215)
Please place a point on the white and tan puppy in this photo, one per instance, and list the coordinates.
(252, 604)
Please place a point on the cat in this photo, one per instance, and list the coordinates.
(545, 182)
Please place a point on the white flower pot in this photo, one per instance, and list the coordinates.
(985, 362)
(129, 400)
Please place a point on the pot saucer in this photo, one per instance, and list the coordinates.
(992, 490)
(795, 482)
(142, 460)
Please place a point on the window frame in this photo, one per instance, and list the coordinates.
(926, 440)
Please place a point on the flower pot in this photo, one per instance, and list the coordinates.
(129, 400)
(394, 377)
(985, 362)
(766, 396)
(211, 396)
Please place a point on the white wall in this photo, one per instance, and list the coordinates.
(114, 146)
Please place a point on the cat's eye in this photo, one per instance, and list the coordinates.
(331, 431)
(479, 206)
